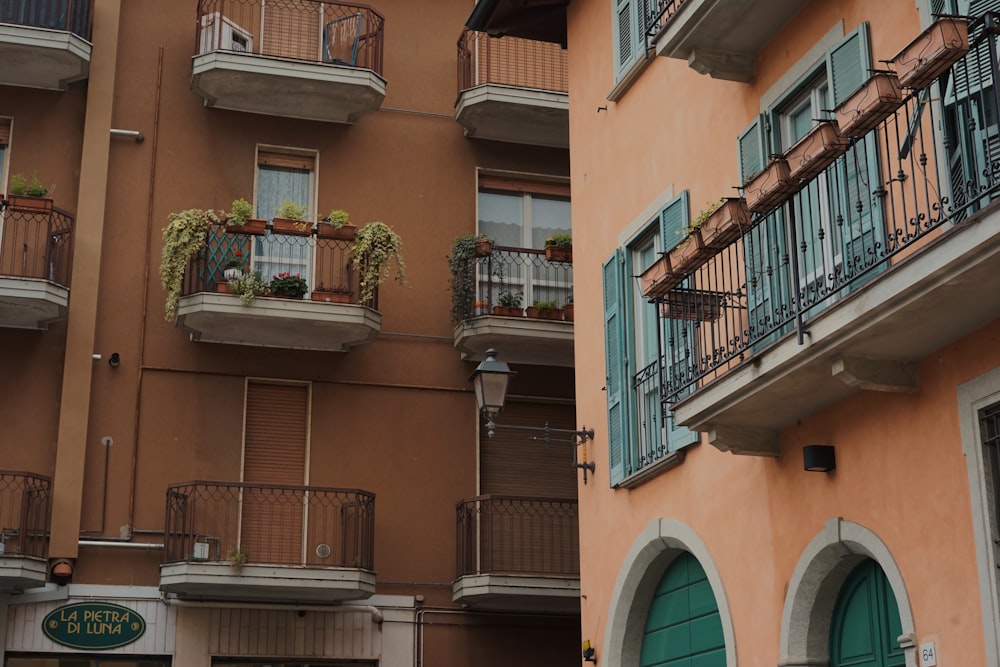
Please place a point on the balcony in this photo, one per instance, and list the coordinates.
(326, 321)
(518, 554)
(36, 251)
(887, 254)
(231, 541)
(45, 43)
(525, 335)
(512, 90)
(24, 530)
(720, 38)
(291, 58)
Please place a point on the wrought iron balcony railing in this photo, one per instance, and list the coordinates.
(510, 61)
(893, 192)
(75, 16)
(325, 264)
(24, 514)
(332, 33)
(508, 272)
(37, 241)
(272, 525)
(520, 536)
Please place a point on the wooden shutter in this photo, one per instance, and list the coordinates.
(274, 454)
(849, 63)
(617, 366)
(752, 149)
(513, 464)
(287, 160)
(625, 29)
(674, 217)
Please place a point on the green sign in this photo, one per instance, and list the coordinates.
(93, 626)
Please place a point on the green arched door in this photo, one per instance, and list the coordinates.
(866, 621)
(683, 625)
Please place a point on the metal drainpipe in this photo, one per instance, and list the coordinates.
(119, 544)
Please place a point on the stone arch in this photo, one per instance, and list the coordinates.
(816, 581)
(651, 554)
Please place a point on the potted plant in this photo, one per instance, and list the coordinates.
(817, 150)
(770, 187)
(876, 99)
(722, 222)
(567, 309)
(559, 248)
(545, 310)
(288, 285)
(338, 294)
(337, 226)
(484, 245)
(462, 264)
(290, 219)
(28, 196)
(375, 249)
(240, 220)
(249, 286)
(184, 236)
(238, 557)
(233, 268)
(934, 51)
(509, 304)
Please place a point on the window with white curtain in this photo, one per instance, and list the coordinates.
(283, 177)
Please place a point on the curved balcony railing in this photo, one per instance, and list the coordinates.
(517, 535)
(332, 33)
(37, 241)
(510, 61)
(306, 526)
(75, 16)
(24, 514)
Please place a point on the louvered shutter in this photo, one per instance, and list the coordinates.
(751, 149)
(617, 366)
(274, 455)
(625, 42)
(849, 63)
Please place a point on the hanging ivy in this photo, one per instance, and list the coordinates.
(185, 235)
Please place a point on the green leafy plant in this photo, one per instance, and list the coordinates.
(546, 305)
(36, 188)
(235, 261)
(288, 284)
(462, 264)
(338, 218)
(510, 299)
(184, 236)
(238, 557)
(249, 286)
(292, 211)
(17, 185)
(703, 215)
(241, 212)
(560, 241)
(375, 248)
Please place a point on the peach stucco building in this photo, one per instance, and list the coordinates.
(258, 478)
(849, 319)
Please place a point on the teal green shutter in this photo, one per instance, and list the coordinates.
(617, 370)
(752, 149)
(625, 36)
(674, 217)
(849, 63)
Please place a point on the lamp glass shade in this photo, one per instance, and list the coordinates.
(490, 380)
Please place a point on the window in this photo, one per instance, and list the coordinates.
(280, 177)
(989, 424)
(641, 429)
(4, 142)
(519, 215)
(838, 220)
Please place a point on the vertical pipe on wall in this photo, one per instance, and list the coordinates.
(78, 365)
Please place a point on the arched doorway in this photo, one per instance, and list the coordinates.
(865, 627)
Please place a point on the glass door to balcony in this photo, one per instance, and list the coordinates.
(275, 253)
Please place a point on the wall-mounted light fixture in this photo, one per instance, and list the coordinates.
(819, 458)
(115, 360)
(491, 379)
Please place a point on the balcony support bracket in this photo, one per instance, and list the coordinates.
(889, 375)
(744, 440)
(723, 65)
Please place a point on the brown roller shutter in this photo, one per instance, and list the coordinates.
(523, 185)
(287, 160)
(512, 464)
(274, 455)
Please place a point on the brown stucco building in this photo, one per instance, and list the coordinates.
(269, 480)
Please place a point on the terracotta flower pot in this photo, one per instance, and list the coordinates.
(291, 227)
(816, 151)
(934, 51)
(508, 311)
(29, 203)
(557, 254)
(694, 305)
(659, 278)
(222, 287)
(331, 297)
(253, 227)
(325, 230)
(688, 255)
(770, 187)
(876, 99)
(567, 312)
(726, 224)
(483, 248)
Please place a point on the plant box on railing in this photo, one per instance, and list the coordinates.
(876, 99)
(508, 311)
(29, 203)
(325, 230)
(659, 278)
(726, 224)
(816, 151)
(252, 227)
(290, 227)
(555, 253)
(687, 256)
(934, 51)
(331, 296)
(770, 187)
(694, 305)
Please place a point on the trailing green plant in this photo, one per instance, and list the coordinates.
(338, 218)
(17, 185)
(546, 305)
(703, 215)
(510, 299)
(560, 241)
(249, 286)
(462, 264)
(375, 248)
(184, 236)
(241, 212)
(288, 284)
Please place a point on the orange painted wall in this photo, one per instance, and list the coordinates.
(900, 468)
